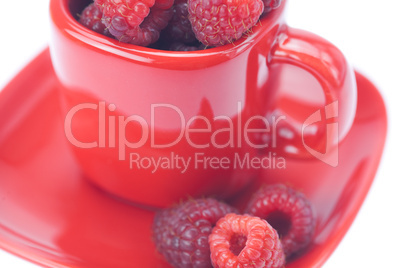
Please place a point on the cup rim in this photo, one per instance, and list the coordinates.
(64, 22)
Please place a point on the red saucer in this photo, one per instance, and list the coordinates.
(50, 215)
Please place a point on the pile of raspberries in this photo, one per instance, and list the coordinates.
(177, 25)
(277, 224)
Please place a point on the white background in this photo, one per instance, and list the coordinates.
(369, 34)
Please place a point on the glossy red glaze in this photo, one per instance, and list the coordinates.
(275, 70)
(51, 216)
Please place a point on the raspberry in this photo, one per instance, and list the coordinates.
(181, 233)
(129, 13)
(179, 27)
(177, 46)
(150, 29)
(91, 18)
(164, 4)
(144, 34)
(245, 241)
(270, 5)
(122, 17)
(219, 22)
(288, 211)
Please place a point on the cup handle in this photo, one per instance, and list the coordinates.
(330, 69)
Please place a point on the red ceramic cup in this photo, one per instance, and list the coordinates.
(156, 126)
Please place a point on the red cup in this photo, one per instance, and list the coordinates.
(155, 126)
